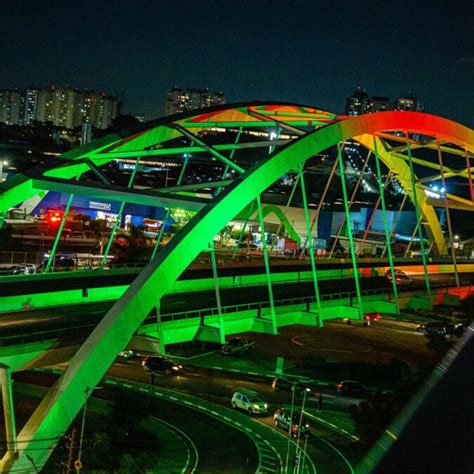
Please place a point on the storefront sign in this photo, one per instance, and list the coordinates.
(100, 205)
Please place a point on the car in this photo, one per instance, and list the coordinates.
(368, 318)
(161, 364)
(237, 346)
(128, 354)
(280, 383)
(249, 401)
(441, 329)
(401, 278)
(433, 327)
(24, 269)
(353, 388)
(285, 420)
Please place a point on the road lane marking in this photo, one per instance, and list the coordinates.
(189, 440)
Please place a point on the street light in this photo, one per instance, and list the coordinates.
(2, 164)
(307, 390)
(290, 424)
(78, 463)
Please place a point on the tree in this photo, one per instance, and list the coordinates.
(225, 234)
(181, 216)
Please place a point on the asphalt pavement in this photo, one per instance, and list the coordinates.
(44, 319)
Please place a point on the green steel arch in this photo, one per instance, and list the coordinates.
(57, 410)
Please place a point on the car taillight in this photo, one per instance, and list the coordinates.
(339, 387)
(294, 428)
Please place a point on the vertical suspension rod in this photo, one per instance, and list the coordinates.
(448, 214)
(217, 291)
(385, 223)
(267, 266)
(349, 230)
(119, 216)
(309, 238)
(418, 218)
(353, 195)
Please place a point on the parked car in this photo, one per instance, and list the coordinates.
(161, 364)
(353, 388)
(248, 400)
(401, 278)
(283, 420)
(280, 383)
(238, 346)
(128, 354)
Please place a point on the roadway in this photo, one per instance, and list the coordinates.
(88, 314)
(44, 283)
(332, 451)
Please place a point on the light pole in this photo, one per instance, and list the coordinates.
(303, 457)
(301, 422)
(2, 164)
(78, 463)
(290, 425)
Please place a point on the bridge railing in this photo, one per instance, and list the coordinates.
(82, 330)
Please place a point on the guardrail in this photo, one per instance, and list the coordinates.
(198, 313)
(75, 331)
(83, 330)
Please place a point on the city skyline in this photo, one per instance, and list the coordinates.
(330, 52)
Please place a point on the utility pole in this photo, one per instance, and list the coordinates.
(71, 448)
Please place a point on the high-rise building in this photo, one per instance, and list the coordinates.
(46, 108)
(180, 100)
(30, 106)
(107, 110)
(10, 105)
(410, 103)
(358, 103)
(62, 106)
(86, 109)
(66, 106)
(361, 103)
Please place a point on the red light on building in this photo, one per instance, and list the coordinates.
(54, 217)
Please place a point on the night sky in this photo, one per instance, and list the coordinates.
(311, 52)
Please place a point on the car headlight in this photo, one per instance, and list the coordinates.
(265, 405)
(175, 367)
(256, 406)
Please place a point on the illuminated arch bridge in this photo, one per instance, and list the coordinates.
(283, 138)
